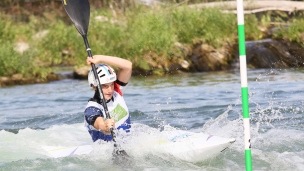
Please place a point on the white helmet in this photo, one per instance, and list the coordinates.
(106, 74)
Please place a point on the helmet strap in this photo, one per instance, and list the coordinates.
(96, 98)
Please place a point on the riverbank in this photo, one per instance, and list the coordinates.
(158, 40)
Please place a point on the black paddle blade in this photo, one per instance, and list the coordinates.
(79, 13)
(120, 157)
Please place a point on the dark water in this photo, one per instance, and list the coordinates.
(32, 116)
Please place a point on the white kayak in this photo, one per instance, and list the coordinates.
(65, 151)
(194, 147)
(183, 145)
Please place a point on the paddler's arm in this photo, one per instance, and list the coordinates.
(104, 125)
(124, 65)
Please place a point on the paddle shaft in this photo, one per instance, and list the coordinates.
(89, 51)
(79, 12)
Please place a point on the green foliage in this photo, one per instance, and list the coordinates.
(11, 62)
(251, 29)
(49, 49)
(189, 24)
(293, 32)
(218, 27)
(105, 37)
(136, 32)
(149, 31)
(9, 59)
(7, 31)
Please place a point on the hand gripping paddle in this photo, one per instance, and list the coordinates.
(79, 13)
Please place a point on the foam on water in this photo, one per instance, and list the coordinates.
(25, 149)
(273, 149)
(269, 151)
(26, 144)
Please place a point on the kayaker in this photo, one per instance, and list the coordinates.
(95, 119)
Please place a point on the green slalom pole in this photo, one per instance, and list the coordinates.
(243, 73)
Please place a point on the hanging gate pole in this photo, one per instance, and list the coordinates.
(244, 86)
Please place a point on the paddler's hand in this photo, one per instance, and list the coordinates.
(94, 60)
(90, 60)
(109, 123)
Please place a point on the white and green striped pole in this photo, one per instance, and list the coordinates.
(243, 73)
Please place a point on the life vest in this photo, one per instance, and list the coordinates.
(118, 110)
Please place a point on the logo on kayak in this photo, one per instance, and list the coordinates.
(177, 137)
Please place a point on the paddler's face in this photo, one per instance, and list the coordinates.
(108, 90)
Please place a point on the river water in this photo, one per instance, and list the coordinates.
(51, 114)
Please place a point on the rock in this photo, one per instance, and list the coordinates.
(206, 58)
(274, 54)
(17, 77)
(21, 47)
(41, 34)
(185, 64)
(101, 18)
(4, 79)
(82, 72)
(186, 50)
(52, 77)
